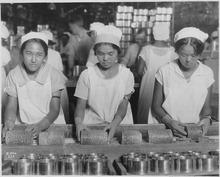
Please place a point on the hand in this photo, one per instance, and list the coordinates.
(111, 131)
(175, 126)
(8, 126)
(112, 127)
(79, 128)
(35, 128)
(38, 127)
(204, 123)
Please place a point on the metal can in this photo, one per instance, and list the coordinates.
(25, 167)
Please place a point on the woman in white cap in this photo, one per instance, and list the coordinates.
(34, 87)
(150, 59)
(183, 86)
(5, 64)
(103, 90)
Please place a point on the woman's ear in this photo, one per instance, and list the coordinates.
(45, 59)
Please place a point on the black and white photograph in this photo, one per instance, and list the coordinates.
(110, 87)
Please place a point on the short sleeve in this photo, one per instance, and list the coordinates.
(10, 85)
(5, 56)
(210, 77)
(82, 86)
(58, 80)
(159, 76)
(129, 84)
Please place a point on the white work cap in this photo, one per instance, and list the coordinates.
(48, 34)
(4, 31)
(190, 32)
(161, 31)
(109, 34)
(97, 27)
(34, 35)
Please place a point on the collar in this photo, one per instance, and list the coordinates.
(23, 79)
(199, 71)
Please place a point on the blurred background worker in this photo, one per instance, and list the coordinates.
(66, 51)
(5, 65)
(82, 43)
(130, 57)
(150, 59)
(94, 30)
(15, 52)
(54, 59)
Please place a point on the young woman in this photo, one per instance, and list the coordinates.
(183, 86)
(150, 59)
(34, 87)
(103, 90)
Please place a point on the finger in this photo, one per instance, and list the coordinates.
(29, 128)
(181, 131)
(204, 130)
(181, 124)
(178, 134)
(78, 136)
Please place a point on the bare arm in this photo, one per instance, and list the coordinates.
(124, 60)
(79, 116)
(162, 115)
(119, 116)
(206, 112)
(10, 114)
(140, 66)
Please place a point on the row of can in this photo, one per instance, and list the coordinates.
(170, 162)
(159, 10)
(72, 164)
(127, 23)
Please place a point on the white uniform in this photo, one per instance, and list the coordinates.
(154, 58)
(104, 95)
(184, 99)
(54, 59)
(34, 96)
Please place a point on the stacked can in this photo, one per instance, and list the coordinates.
(123, 21)
(170, 162)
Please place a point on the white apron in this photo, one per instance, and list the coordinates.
(105, 95)
(184, 100)
(34, 102)
(147, 85)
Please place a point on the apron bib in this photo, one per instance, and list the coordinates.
(105, 95)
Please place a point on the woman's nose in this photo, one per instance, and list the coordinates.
(189, 58)
(33, 59)
(105, 57)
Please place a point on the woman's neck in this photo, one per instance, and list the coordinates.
(160, 44)
(109, 72)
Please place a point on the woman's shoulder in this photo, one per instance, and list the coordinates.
(206, 68)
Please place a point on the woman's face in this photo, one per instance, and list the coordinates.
(140, 39)
(106, 55)
(187, 57)
(33, 56)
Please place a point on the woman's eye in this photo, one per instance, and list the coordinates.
(40, 54)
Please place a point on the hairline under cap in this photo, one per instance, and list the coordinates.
(178, 36)
(34, 35)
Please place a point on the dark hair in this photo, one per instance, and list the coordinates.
(107, 43)
(141, 30)
(44, 45)
(76, 19)
(195, 43)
